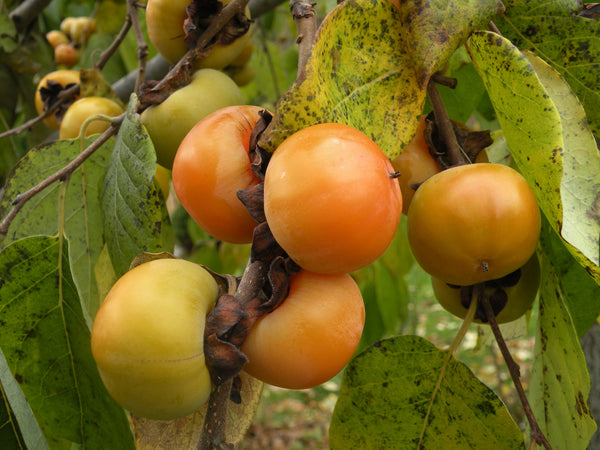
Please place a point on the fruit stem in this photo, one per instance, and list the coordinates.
(462, 331)
(455, 153)
(537, 435)
(64, 96)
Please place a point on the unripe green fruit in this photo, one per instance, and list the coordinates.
(148, 338)
(169, 122)
(518, 296)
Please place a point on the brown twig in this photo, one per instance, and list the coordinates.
(215, 421)
(23, 198)
(494, 28)
(64, 96)
(213, 435)
(444, 125)
(142, 46)
(227, 13)
(26, 12)
(110, 51)
(536, 433)
(305, 17)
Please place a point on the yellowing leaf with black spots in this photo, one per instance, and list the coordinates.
(388, 399)
(370, 66)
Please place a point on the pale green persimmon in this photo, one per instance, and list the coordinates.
(165, 22)
(169, 122)
(83, 109)
(148, 338)
(519, 294)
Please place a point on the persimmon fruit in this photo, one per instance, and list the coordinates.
(330, 198)
(47, 90)
(81, 110)
(148, 338)
(473, 223)
(414, 165)
(211, 165)
(510, 296)
(311, 336)
(168, 122)
(165, 23)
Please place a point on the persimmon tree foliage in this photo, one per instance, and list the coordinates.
(513, 84)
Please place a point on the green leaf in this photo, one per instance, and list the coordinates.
(463, 100)
(569, 43)
(580, 184)
(41, 215)
(560, 383)
(8, 35)
(386, 392)
(579, 291)
(18, 426)
(370, 65)
(385, 290)
(135, 216)
(46, 342)
(545, 130)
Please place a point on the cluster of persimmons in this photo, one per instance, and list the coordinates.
(332, 201)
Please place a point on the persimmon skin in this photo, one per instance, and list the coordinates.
(311, 336)
(148, 338)
(520, 297)
(415, 164)
(165, 23)
(65, 78)
(81, 110)
(66, 55)
(330, 199)
(473, 223)
(168, 122)
(211, 165)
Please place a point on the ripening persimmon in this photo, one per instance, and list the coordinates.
(473, 223)
(331, 200)
(148, 338)
(165, 22)
(211, 165)
(415, 164)
(311, 336)
(168, 122)
(47, 92)
(83, 109)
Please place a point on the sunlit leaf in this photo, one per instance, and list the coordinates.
(134, 214)
(370, 65)
(187, 431)
(387, 391)
(560, 383)
(539, 138)
(46, 342)
(570, 44)
(40, 216)
(580, 184)
(18, 426)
